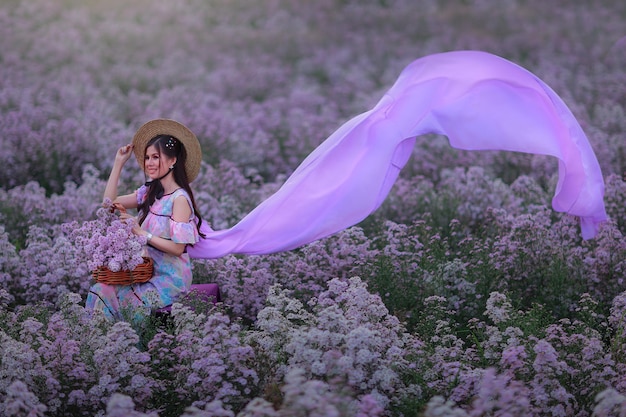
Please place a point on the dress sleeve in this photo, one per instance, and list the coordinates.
(141, 194)
(181, 232)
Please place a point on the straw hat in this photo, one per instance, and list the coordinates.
(173, 128)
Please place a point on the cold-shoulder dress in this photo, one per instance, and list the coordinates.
(172, 274)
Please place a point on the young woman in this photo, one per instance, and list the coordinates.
(170, 156)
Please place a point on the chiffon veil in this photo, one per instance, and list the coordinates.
(478, 100)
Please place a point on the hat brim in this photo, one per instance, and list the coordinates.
(173, 128)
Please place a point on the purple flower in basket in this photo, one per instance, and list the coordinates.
(108, 241)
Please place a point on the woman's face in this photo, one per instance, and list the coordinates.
(156, 164)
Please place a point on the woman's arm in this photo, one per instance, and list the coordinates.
(165, 245)
(110, 191)
(181, 212)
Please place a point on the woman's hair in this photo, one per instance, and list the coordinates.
(173, 148)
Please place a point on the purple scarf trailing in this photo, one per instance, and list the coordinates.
(478, 100)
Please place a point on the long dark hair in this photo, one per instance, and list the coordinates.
(173, 148)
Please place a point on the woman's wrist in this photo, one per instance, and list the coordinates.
(149, 237)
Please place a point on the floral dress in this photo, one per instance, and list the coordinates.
(172, 274)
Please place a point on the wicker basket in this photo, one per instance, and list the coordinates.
(142, 273)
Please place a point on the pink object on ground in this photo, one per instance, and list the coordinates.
(203, 292)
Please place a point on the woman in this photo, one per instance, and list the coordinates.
(167, 215)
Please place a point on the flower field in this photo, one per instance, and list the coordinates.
(465, 294)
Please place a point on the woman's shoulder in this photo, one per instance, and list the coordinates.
(181, 192)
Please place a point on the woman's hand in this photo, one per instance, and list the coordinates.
(119, 207)
(123, 154)
(127, 217)
(136, 227)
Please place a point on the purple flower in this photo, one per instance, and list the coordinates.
(108, 241)
(19, 401)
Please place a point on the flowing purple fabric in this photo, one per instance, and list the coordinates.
(478, 100)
